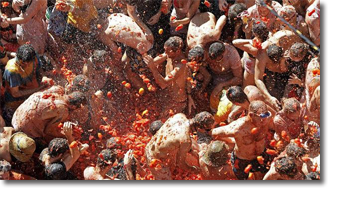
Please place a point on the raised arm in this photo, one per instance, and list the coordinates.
(133, 14)
(70, 159)
(163, 82)
(245, 45)
(225, 133)
(31, 11)
(260, 66)
(191, 13)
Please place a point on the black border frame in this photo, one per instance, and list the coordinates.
(323, 183)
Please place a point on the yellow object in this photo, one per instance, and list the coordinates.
(224, 108)
(82, 21)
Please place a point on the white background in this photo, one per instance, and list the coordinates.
(328, 188)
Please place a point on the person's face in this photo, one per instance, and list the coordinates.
(261, 118)
(294, 115)
(263, 10)
(170, 52)
(25, 64)
(289, 56)
(4, 175)
(219, 59)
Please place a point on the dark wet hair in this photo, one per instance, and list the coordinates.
(196, 53)
(236, 95)
(286, 166)
(105, 158)
(275, 53)
(216, 49)
(26, 53)
(291, 105)
(57, 146)
(112, 144)
(294, 151)
(218, 153)
(260, 30)
(313, 176)
(5, 166)
(56, 171)
(174, 43)
(155, 126)
(299, 50)
(77, 98)
(204, 120)
(81, 83)
(234, 11)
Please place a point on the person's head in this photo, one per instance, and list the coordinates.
(294, 151)
(289, 14)
(155, 126)
(237, 96)
(25, 54)
(291, 107)
(313, 145)
(112, 144)
(77, 100)
(216, 51)
(5, 169)
(260, 31)
(204, 120)
(234, 11)
(56, 171)
(196, 54)
(57, 147)
(173, 46)
(99, 59)
(105, 159)
(81, 83)
(275, 53)
(313, 176)
(217, 154)
(298, 51)
(286, 167)
(258, 113)
(262, 9)
(21, 146)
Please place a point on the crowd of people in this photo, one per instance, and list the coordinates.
(160, 90)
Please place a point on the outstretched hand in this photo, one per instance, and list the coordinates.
(67, 128)
(275, 103)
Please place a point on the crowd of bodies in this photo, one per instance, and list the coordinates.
(159, 90)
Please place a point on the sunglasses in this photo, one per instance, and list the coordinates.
(264, 115)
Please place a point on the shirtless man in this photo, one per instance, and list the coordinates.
(241, 99)
(121, 28)
(249, 134)
(261, 42)
(176, 76)
(105, 160)
(171, 145)
(300, 5)
(260, 12)
(311, 97)
(214, 162)
(313, 21)
(40, 115)
(63, 151)
(225, 67)
(288, 122)
(204, 29)
(291, 16)
(288, 165)
(183, 11)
